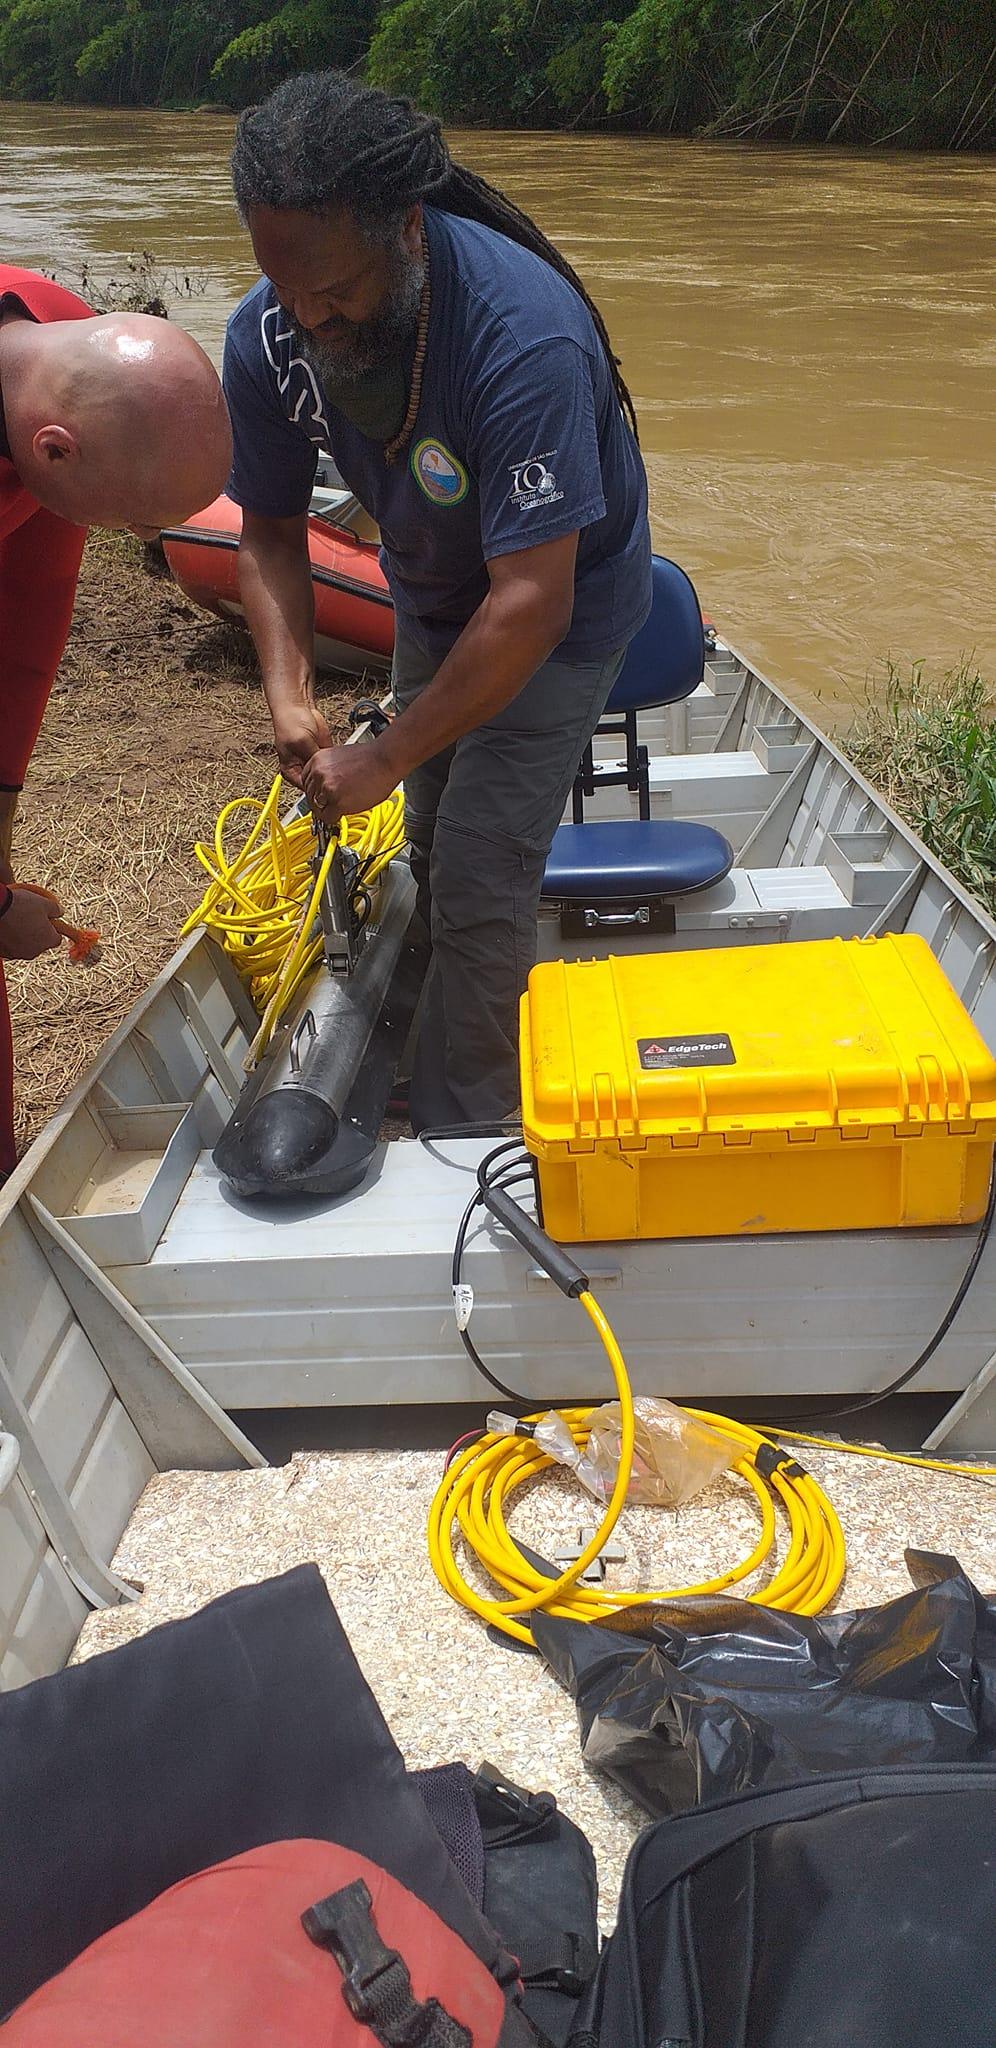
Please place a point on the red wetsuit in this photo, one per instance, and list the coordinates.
(39, 564)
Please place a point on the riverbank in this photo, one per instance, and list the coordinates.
(155, 721)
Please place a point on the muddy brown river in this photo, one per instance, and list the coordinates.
(810, 337)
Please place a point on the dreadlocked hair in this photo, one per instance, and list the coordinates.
(322, 140)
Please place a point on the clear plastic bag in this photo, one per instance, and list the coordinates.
(674, 1455)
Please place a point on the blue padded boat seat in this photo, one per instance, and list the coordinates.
(665, 660)
(611, 861)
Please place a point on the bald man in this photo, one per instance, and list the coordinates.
(116, 421)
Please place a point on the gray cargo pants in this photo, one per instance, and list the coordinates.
(480, 819)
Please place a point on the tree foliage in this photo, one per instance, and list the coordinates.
(908, 72)
(169, 52)
(518, 62)
(917, 71)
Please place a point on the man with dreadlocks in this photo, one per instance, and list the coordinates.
(414, 323)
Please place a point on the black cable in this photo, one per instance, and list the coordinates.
(470, 1436)
(510, 1393)
(484, 1166)
(515, 1170)
(514, 1178)
(500, 1127)
(903, 1379)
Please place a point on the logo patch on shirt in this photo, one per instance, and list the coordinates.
(300, 394)
(534, 482)
(438, 473)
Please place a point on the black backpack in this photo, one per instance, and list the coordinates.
(532, 1873)
(854, 1911)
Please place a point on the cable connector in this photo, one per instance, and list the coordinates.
(463, 1304)
(499, 1424)
(562, 1269)
(770, 1458)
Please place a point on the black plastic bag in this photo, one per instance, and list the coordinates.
(697, 1700)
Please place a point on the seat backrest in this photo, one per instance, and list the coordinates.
(665, 660)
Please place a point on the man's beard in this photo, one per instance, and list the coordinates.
(353, 347)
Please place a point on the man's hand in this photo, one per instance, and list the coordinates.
(26, 929)
(301, 733)
(339, 781)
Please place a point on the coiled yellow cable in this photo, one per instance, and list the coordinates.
(262, 901)
(475, 1489)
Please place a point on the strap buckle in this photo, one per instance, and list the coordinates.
(343, 1924)
(509, 1812)
(375, 1981)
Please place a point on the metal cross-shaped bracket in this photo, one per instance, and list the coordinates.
(613, 1553)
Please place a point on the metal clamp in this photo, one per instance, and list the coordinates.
(335, 908)
(610, 1553)
(366, 712)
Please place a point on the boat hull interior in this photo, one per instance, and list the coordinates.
(143, 1300)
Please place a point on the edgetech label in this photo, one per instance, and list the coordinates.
(712, 1049)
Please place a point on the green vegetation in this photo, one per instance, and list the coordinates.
(913, 73)
(169, 52)
(931, 749)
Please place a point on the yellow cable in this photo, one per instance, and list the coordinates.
(472, 1496)
(262, 902)
(829, 1443)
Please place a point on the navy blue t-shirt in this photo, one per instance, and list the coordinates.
(519, 439)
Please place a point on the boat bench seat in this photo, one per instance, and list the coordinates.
(605, 860)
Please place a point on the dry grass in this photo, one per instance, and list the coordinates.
(156, 719)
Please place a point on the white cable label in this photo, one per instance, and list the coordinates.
(463, 1304)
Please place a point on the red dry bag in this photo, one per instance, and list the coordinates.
(299, 1943)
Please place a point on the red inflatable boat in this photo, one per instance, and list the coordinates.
(354, 617)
